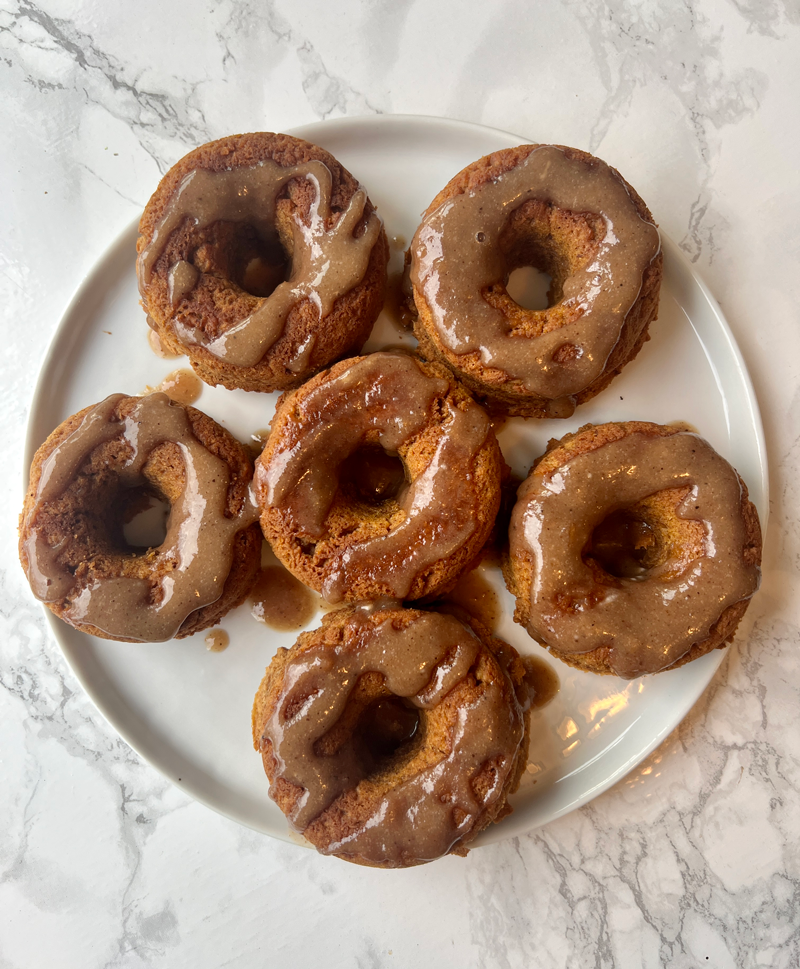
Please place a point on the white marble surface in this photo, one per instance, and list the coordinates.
(693, 860)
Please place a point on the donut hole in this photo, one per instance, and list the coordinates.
(541, 247)
(143, 517)
(380, 730)
(106, 525)
(529, 288)
(555, 241)
(372, 476)
(631, 542)
(534, 272)
(624, 545)
(386, 724)
(264, 272)
(236, 251)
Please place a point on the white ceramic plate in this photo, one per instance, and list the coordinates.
(187, 711)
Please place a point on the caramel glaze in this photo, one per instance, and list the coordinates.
(383, 399)
(280, 600)
(399, 302)
(422, 818)
(327, 259)
(154, 341)
(199, 540)
(456, 257)
(541, 681)
(476, 596)
(217, 641)
(260, 437)
(183, 386)
(650, 621)
(683, 426)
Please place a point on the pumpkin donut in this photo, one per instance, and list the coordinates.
(262, 259)
(391, 736)
(380, 477)
(100, 465)
(633, 548)
(568, 214)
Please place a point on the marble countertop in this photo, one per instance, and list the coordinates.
(693, 859)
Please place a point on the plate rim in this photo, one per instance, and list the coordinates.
(122, 241)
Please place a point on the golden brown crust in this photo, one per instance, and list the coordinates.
(497, 663)
(217, 303)
(567, 239)
(348, 525)
(80, 512)
(658, 509)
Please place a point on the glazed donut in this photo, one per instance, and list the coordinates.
(93, 469)
(351, 520)
(633, 548)
(571, 216)
(391, 736)
(261, 258)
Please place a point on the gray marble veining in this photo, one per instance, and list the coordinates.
(690, 861)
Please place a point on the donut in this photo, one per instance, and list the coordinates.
(569, 215)
(262, 259)
(380, 477)
(633, 548)
(92, 473)
(391, 736)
